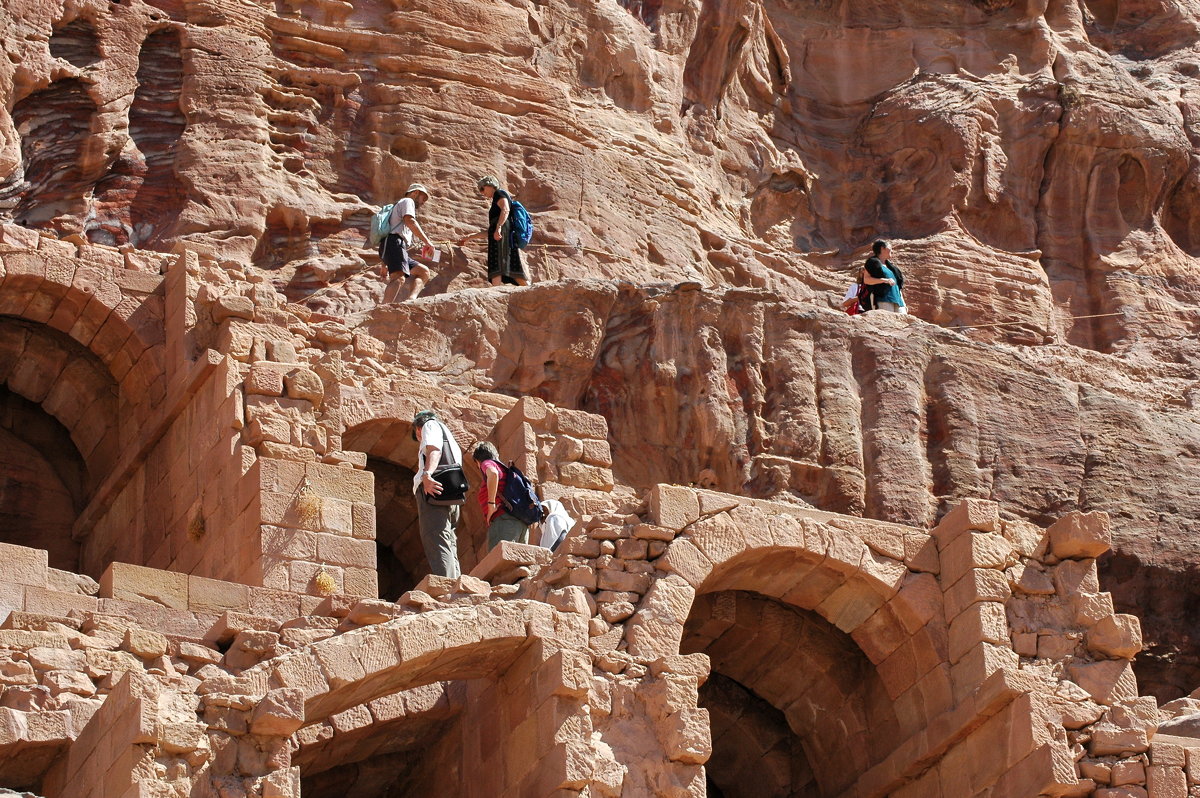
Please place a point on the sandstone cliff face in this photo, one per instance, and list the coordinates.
(1034, 162)
(1037, 158)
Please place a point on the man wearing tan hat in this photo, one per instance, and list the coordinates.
(398, 267)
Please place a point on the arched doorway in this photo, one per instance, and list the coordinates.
(838, 651)
(391, 457)
(405, 744)
(796, 709)
(399, 555)
(58, 435)
(43, 478)
(463, 700)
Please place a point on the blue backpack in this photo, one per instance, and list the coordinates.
(522, 227)
(380, 225)
(518, 497)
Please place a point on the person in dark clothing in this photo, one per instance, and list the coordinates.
(504, 258)
(884, 279)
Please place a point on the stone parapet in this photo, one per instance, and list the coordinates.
(556, 445)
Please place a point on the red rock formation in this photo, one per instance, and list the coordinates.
(744, 143)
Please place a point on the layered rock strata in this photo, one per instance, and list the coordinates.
(1036, 162)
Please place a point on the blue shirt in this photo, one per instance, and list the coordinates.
(891, 292)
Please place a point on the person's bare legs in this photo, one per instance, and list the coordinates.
(395, 279)
(495, 281)
(413, 286)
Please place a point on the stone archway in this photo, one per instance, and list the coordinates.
(391, 457)
(84, 336)
(68, 382)
(60, 424)
(811, 710)
(972, 642)
(523, 667)
(835, 641)
(112, 312)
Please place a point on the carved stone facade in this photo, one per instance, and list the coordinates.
(205, 621)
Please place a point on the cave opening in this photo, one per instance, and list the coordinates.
(75, 43)
(285, 238)
(156, 123)
(53, 125)
(1166, 602)
(647, 11)
(1133, 198)
(1181, 213)
(406, 765)
(139, 197)
(464, 709)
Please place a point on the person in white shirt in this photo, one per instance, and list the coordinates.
(438, 523)
(555, 523)
(398, 266)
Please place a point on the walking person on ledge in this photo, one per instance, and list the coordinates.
(435, 446)
(501, 525)
(885, 280)
(400, 268)
(503, 258)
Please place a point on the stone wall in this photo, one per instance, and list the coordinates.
(202, 673)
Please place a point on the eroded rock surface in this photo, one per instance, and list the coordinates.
(1034, 162)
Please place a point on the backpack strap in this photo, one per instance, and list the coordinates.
(448, 456)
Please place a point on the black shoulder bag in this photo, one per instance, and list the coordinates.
(449, 475)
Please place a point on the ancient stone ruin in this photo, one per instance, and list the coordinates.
(227, 634)
(948, 554)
